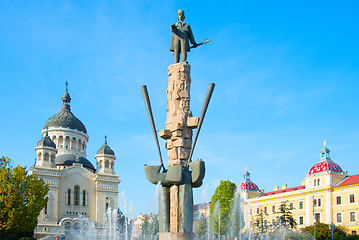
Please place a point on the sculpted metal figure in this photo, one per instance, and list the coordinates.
(181, 36)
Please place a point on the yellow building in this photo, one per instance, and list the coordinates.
(326, 195)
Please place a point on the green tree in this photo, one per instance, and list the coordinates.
(149, 226)
(285, 215)
(200, 227)
(259, 221)
(22, 197)
(324, 232)
(222, 200)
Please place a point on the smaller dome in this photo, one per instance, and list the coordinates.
(66, 97)
(247, 184)
(69, 159)
(105, 149)
(325, 164)
(46, 142)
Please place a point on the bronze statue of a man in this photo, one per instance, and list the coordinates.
(181, 36)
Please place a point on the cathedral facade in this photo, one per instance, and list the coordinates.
(77, 188)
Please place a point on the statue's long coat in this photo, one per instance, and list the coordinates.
(183, 32)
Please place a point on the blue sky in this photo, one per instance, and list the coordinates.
(286, 75)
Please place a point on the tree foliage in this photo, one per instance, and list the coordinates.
(324, 232)
(22, 197)
(285, 215)
(149, 226)
(223, 196)
(200, 228)
(259, 220)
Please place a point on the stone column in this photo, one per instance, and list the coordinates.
(179, 122)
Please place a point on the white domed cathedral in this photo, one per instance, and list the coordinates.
(77, 188)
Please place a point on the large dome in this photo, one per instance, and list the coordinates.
(69, 159)
(65, 118)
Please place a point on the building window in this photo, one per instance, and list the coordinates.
(352, 216)
(339, 217)
(84, 198)
(107, 164)
(77, 195)
(45, 209)
(317, 217)
(339, 199)
(257, 210)
(354, 232)
(301, 205)
(317, 202)
(291, 207)
(273, 208)
(301, 220)
(265, 223)
(265, 209)
(68, 196)
(315, 182)
(351, 198)
(318, 182)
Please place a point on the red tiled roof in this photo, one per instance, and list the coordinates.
(283, 190)
(350, 180)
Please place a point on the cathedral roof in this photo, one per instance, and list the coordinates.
(325, 164)
(69, 159)
(105, 149)
(46, 142)
(65, 118)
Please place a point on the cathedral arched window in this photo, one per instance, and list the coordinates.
(73, 144)
(45, 209)
(68, 196)
(46, 157)
(318, 182)
(39, 157)
(112, 165)
(79, 145)
(107, 203)
(315, 182)
(84, 198)
(67, 142)
(107, 164)
(53, 158)
(61, 142)
(77, 195)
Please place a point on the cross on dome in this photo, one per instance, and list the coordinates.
(325, 144)
(67, 84)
